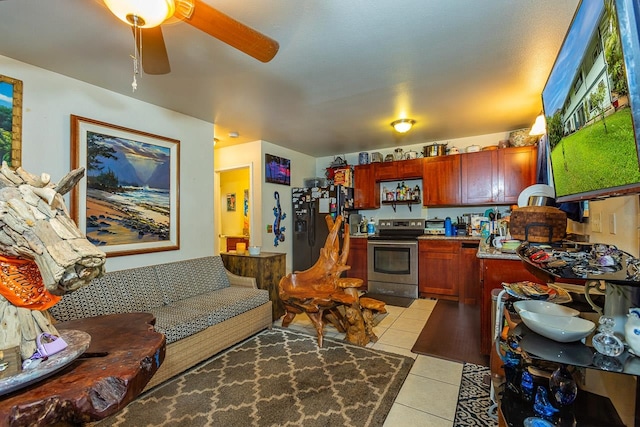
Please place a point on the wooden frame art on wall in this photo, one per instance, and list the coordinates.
(128, 201)
(11, 121)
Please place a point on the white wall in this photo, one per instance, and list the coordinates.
(48, 101)
(302, 166)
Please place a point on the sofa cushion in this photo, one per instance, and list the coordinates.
(184, 279)
(188, 316)
(123, 291)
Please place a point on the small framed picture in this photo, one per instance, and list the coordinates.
(277, 170)
(231, 202)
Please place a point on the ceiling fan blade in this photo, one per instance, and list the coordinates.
(234, 33)
(154, 52)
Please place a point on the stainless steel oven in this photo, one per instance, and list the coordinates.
(392, 257)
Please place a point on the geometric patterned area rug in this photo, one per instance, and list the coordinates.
(276, 378)
(473, 398)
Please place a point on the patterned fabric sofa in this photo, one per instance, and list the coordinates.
(200, 307)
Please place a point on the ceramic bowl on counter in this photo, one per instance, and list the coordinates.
(558, 328)
(544, 307)
(254, 250)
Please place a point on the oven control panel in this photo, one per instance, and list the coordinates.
(401, 224)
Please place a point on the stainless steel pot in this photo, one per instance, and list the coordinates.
(434, 150)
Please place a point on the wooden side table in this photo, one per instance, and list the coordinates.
(267, 268)
(124, 353)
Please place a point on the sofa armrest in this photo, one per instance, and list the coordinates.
(247, 282)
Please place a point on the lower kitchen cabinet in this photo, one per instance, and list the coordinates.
(492, 273)
(358, 259)
(438, 268)
(469, 288)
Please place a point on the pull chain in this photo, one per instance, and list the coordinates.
(137, 55)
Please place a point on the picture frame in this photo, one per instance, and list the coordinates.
(231, 202)
(128, 202)
(11, 121)
(277, 170)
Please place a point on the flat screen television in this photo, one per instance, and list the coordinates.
(591, 102)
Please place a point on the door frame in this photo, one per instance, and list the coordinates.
(217, 210)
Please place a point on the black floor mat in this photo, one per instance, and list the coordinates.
(391, 300)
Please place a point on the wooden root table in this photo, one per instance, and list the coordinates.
(124, 353)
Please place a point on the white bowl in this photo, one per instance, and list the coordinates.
(544, 307)
(254, 250)
(558, 328)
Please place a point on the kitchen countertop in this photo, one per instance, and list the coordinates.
(493, 253)
(424, 237)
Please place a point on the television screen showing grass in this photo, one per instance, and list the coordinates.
(590, 123)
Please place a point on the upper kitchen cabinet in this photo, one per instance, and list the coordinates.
(518, 166)
(366, 190)
(398, 170)
(441, 180)
(497, 176)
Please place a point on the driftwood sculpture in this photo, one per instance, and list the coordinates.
(320, 290)
(43, 254)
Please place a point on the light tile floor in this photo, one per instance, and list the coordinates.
(430, 393)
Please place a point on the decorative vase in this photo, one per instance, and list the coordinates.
(632, 330)
(605, 341)
(562, 386)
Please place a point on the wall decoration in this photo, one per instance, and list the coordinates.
(278, 228)
(245, 213)
(128, 202)
(231, 202)
(10, 121)
(277, 170)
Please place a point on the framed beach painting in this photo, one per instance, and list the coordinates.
(10, 121)
(128, 202)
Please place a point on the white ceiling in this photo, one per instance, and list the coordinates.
(344, 71)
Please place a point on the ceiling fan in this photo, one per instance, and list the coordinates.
(148, 15)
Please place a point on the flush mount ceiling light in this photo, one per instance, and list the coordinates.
(539, 127)
(402, 125)
(149, 13)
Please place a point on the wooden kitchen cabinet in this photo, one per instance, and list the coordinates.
(497, 176)
(358, 259)
(366, 191)
(517, 171)
(441, 180)
(398, 170)
(469, 289)
(492, 273)
(410, 169)
(438, 268)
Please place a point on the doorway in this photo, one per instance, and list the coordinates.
(234, 208)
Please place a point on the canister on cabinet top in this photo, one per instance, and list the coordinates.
(363, 158)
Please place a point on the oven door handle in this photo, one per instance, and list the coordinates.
(392, 243)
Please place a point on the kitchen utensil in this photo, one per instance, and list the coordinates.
(398, 154)
(454, 150)
(558, 328)
(473, 149)
(535, 190)
(410, 155)
(389, 158)
(254, 250)
(376, 157)
(541, 201)
(434, 150)
(363, 158)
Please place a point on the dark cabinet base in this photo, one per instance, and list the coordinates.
(268, 268)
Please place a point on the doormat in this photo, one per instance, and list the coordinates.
(277, 377)
(474, 398)
(452, 332)
(391, 299)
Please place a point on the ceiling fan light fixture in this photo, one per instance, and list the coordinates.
(150, 13)
(403, 125)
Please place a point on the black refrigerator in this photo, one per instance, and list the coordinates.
(310, 231)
